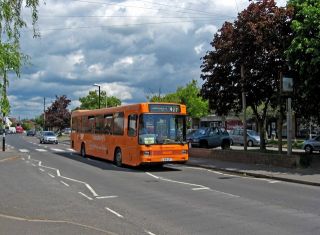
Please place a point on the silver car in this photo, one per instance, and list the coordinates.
(312, 144)
(48, 137)
(237, 137)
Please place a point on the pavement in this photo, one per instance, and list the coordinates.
(308, 176)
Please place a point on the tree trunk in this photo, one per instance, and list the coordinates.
(279, 132)
(261, 127)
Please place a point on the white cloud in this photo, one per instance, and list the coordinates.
(199, 48)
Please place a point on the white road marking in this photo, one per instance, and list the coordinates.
(196, 189)
(106, 197)
(65, 183)
(198, 186)
(33, 164)
(24, 150)
(116, 213)
(150, 233)
(59, 175)
(235, 176)
(41, 150)
(41, 169)
(89, 198)
(51, 175)
(71, 150)
(57, 150)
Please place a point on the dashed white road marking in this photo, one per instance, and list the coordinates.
(41, 169)
(41, 150)
(106, 197)
(196, 189)
(197, 186)
(235, 176)
(24, 150)
(89, 198)
(114, 212)
(150, 233)
(51, 175)
(56, 150)
(65, 183)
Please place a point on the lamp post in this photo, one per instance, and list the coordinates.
(98, 85)
(287, 89)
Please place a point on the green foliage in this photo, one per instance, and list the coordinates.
(91, 101)
(27, 126)
(189, 95)
(304, 57)
(11, 22)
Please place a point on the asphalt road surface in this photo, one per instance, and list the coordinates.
(49, 189)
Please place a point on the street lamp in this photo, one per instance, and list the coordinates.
(98, 85)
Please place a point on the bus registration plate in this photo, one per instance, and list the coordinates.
(167, 159)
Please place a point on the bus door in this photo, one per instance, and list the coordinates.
(132, 140)
(98, 138)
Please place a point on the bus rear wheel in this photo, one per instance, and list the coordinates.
(83, 151)
(118, 158)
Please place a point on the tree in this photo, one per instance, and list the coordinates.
(57, 115)
(11, 22)
(304, 57)
(91, 101)
(256, 41)
(190, 96)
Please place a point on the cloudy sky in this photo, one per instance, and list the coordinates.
(132, 48)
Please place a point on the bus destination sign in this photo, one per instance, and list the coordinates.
(164, 108)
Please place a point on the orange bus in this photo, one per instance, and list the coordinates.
(137, 134)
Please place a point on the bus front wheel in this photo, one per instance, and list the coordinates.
(118, 158)
(83, 151)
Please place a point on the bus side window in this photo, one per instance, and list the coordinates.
(108, 124)
(132, 125)
(92, 124)
(84, 124)
(118, 128)
(99, 124)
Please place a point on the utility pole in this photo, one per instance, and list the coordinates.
(98, 85)
(4, 95)
(44, 113)
(244, 107)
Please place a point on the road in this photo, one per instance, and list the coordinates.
(49, 189)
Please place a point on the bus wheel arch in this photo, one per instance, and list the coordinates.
(83, 150)
(118, 157)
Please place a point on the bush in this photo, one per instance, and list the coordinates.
(305, 160)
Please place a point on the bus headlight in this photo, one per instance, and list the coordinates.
(146, 153)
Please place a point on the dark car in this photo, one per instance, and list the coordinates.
(31, 133)
(210, 137)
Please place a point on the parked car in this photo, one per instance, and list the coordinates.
(48, 137)
(209, 137)
(237, 137)
(66, 131)
(312, 144)
(31, 133)
(19, 129)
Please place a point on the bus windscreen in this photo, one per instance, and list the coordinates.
(162, 129)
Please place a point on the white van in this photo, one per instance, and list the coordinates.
(12, 130)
